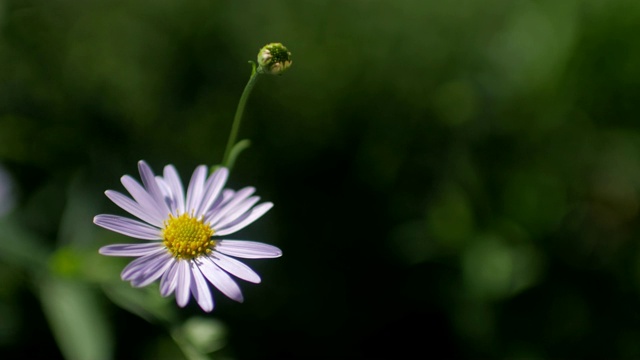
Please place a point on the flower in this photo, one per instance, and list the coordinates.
(274, 59)
(185, 248)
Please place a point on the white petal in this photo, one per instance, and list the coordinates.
(141, 265)
(173, 180)
(133, 208)
(131, 249)
(169, 279)
(235, 267)
(255, 214)
(195, 189)
(237, 198)
(221, 280)
(200, 289)
(237, 212)
(128, 227)
(143, 198)
(152, 273)
(220, 202)
(212, 189)
(184, 283)
(150, 183)
(248, 249)
(227, 194)
(167, 195)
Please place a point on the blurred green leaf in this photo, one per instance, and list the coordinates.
(535, 198)
(76, 319)
(20, 247)
(66, 262)
(145, 302)
(450, 218)
(76, 224)
(494, 269)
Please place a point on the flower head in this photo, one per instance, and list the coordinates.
(274, 59)
(185, 248)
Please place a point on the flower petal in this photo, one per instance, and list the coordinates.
(128, 227)
(141, 265)
(169, 281)
(221, 201)
(143, 198)
(173, 180)
(184, 283)
(167, 195)
(221, 280)
(237, 212)
(247, 249)
(255, 214)
(195, 189)
(212, 189)
(131, 249)
(152, 273)
(150, 183)
(200, 289)
(237, 198)
(235, 267)
(133, 208)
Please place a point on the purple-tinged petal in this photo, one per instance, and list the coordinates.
(235, 267)
(247, 249)
(220, 202)
(238, 212)
(237, 198)
(200, 289)
(184, 283)
(195, 189)
(211, 190)
(167, 195)
(173, 180)
(234, 226)
(133, 208)
(128, 227)
(141, 265)
(221, 280)
(150, 183)
(130, 249)
(143, 198)
(153, 272)
(169, 280)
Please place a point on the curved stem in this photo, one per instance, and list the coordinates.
(226, 161)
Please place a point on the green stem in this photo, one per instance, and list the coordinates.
(226, 161)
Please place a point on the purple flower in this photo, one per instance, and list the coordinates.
(185, 249)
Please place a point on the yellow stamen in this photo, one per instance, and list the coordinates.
(187, 237)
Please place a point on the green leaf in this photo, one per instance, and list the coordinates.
(146, 302)
(78, 323)
(21, 248)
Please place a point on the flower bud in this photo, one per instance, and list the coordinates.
(274, 59)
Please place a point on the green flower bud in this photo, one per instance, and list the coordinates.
(274, 59)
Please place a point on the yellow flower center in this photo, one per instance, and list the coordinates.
(187, 237)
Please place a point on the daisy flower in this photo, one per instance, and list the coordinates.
(186, 250)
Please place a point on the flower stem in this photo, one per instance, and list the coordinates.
(228, 159)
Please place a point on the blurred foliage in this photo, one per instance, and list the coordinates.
(475, 167)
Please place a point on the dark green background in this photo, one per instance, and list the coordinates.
(450, 179)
